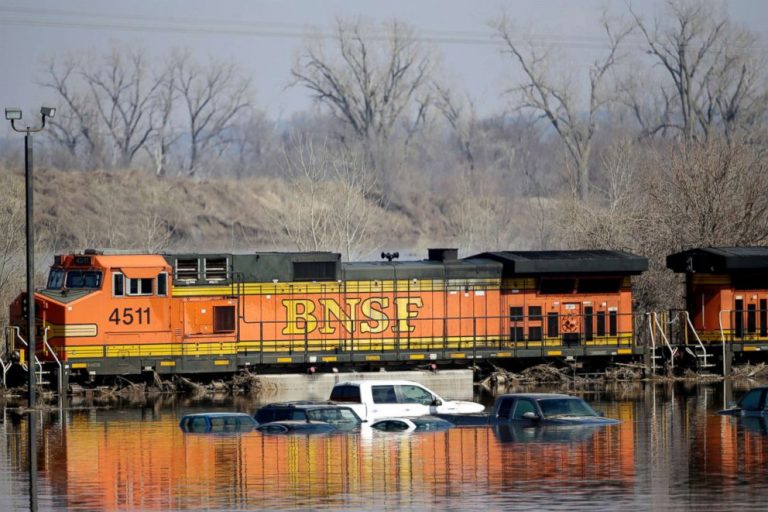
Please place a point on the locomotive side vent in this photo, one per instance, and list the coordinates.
(186, 270)
(314, 270)
(216, 269)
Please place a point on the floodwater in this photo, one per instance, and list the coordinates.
(670, 452)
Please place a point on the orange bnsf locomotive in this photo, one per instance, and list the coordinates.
(107, 314)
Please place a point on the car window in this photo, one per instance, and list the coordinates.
(505, 408)
(197, 425)
(751, 401)
(565, 407)
(415, 395)
(333, 415)
(523, 406)
(391, 425)
(384, 394)
(346, 394)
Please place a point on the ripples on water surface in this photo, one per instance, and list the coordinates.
(671, 451)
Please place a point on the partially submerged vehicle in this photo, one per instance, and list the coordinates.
(307, 416)
(415, 424)
(217, 422)
(374, 399)
(753, 403)
(296, 427)
(534, 409)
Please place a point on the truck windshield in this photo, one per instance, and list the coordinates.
(566, 407)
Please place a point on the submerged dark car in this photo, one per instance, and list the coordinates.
(296, 427)
(535, 409)
(307, 417)
(217, 422)
(753, 403)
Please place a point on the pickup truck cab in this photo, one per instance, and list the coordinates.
(534, 409)
(374, 399)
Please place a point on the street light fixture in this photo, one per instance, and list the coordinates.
(13, 115)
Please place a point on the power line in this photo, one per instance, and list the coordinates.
(86, 20)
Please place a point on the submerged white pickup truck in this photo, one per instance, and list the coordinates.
(374, 399)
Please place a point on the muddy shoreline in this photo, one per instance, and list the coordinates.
(250, 386)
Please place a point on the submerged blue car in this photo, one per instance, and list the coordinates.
(753, 403)
(217, 422)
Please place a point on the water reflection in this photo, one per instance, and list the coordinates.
(671, 450)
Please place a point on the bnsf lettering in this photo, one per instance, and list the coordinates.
(303, 316)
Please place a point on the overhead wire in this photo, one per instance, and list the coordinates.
(89, 20)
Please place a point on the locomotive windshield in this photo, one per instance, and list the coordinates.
(60, 278)
(55, 279)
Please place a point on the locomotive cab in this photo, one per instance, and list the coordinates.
(97, 305)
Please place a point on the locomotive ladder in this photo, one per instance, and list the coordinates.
(38, 365)
(700, 350)
(655, 326)
(5, 353)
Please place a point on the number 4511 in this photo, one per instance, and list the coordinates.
(130, 315)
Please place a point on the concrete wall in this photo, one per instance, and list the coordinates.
(449, 384)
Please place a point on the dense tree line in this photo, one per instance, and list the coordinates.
(655, 145)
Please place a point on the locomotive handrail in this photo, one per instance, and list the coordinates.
(672, 350)
(696, 334)
(56, 358)
(3, 354)
(36, 360)
(722, 335)
(653, 343)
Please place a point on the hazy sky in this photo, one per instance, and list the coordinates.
(264, 36)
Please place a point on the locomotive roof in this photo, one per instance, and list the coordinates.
(469, 268)
(719, 260)
(327, 266)
(519, 263)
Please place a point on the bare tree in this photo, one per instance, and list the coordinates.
(165, 134)
(11, 241)
(711, 194)
(354, 205)
(558, 103)
(122, 90)
(75, 128)
(331, 206)
(370, 83)
(213, 96)
(714, 73)
(462, 118)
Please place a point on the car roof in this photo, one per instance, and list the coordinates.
(537, 396)
(378, 382)
(217, 415)
(307, 404)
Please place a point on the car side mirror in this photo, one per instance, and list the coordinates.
(437, 402)
(731, 405)
(530, 415)
(600, 413)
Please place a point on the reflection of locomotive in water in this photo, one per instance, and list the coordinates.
(117, 314)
